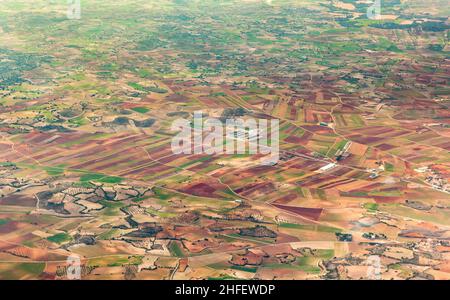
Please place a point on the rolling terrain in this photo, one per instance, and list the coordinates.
(86, 165)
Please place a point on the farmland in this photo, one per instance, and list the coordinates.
(86, 161)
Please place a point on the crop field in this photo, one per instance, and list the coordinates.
(88, 103)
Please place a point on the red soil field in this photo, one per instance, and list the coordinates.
(310, 213)
(18, 200)
(200, 189)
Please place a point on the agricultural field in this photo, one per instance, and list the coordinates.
(88, 99)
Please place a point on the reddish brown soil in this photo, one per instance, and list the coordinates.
(310, 213)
